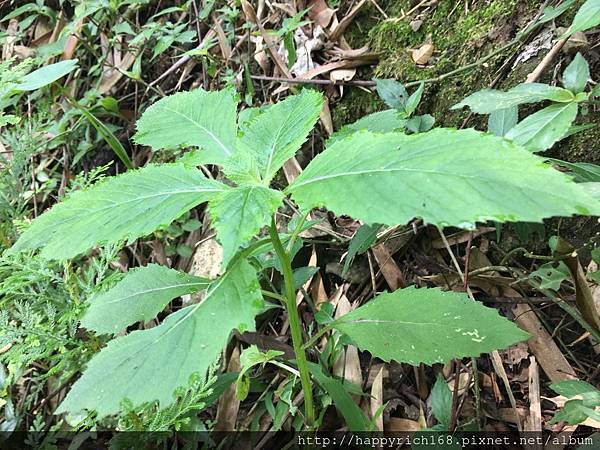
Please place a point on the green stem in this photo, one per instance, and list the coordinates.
(295, 325)
(313, 340)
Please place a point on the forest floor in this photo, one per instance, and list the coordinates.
(132, 53)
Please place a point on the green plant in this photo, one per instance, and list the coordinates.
(538, 131)
(583, 402)
(445, 177)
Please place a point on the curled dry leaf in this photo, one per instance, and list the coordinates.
(342, 74)
(399, 425)
(423, 54)
(320, 13)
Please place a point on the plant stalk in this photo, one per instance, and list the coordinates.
(295, 325)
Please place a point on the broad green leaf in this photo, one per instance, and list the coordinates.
(542, 129)
(576, 74)
(572, 388)
(446, 177)
(239, 213)
(427, 326)
(139, 296)
(584, 172)
(124, 207)
(489, 100)
(392, 93)
(502, 120)
(379, 122)
(275, 135)
(587, 17)
(46, 75)
(584, 403)
(149, 365)
(441, 401)
(362, 240)
(355, 418)
(194, 118)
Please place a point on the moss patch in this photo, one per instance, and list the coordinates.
(460, 37)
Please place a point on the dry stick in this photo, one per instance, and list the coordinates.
(537, 72)
(313, 81)
(495, 355)
(454, 408)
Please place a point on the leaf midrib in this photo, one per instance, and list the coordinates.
(206, 130)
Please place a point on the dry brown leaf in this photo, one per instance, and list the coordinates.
(553, 362)
(399, 425)
(347, 366)
(72, 41)
(423, 54)
(583, 294)
(338, 30)
(515, 354)
(390, 270)
(11, 37)
(534, 420)
(461, 236)
(111, 76)
(464, 382)
(325, 116)
(229, 405)
(260, 55)
(342, 74)
(377, 400)
(222, 39)
(320, 13)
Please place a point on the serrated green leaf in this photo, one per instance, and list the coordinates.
(194, 118)
(489, 100)
(441, 401)
(446, 177)
(124, 207)
(275, 135)
(576, 74)
(46, 75)
(502, 120)
(587, 17)
(239, 213)
(139, 296)
(542, 129)
(149, 365)
(379, 122)
(427, 326)
(391, 92)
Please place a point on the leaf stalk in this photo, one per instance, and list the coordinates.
(295, 325)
